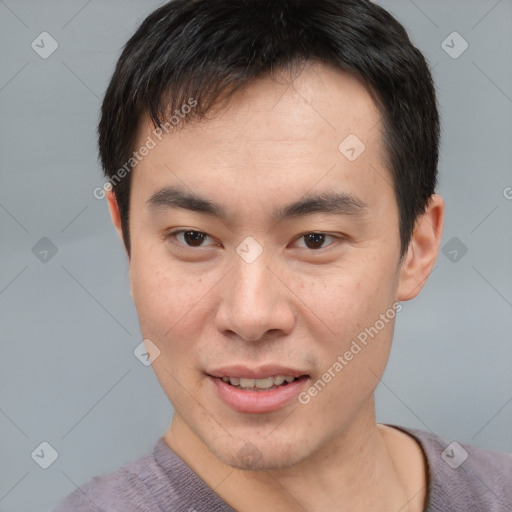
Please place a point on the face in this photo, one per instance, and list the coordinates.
(264, 243)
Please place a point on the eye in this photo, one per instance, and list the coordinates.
(193, 238)
(190, 237)
(315, 241)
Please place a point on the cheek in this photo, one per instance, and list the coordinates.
(167, 298)
(171, 314)
(350, 305)
(351, 298)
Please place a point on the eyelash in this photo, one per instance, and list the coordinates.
(174, 235)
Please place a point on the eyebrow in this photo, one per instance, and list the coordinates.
(329, 202)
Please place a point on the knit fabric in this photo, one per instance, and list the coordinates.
(162, 482)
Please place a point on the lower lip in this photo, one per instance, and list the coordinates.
(258, 401)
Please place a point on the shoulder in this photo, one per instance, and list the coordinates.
(123, 489)
(154, 482)
(463, 477)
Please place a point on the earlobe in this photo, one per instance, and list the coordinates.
(422, 251)
(114, 213)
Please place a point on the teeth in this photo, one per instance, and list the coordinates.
(266, 383)
(279, 380)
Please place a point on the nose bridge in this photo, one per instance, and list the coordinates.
(254, 301)
(254, 287)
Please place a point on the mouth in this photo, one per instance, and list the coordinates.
(263, 390)
(264, 384)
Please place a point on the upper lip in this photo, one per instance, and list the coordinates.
(260, 372)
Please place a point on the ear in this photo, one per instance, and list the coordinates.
(422, 252)
(114, 213)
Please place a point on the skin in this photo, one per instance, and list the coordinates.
(205, 307)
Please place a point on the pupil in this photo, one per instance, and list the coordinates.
(315, 240)
(193, 238)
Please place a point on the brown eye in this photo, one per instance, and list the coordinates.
(194, 238)
(314, 240)
(190, 237)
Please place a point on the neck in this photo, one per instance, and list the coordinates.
(358, 471)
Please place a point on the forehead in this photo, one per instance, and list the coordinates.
(323, 99)
(322, 127)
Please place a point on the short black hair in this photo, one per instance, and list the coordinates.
(204, 50)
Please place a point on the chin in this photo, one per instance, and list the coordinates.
(258, 454)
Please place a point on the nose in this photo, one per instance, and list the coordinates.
(254, 302)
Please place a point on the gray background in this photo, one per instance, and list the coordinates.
(68, 375)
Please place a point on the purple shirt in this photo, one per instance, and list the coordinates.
(162, 482)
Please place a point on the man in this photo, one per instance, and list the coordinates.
(272, 168)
